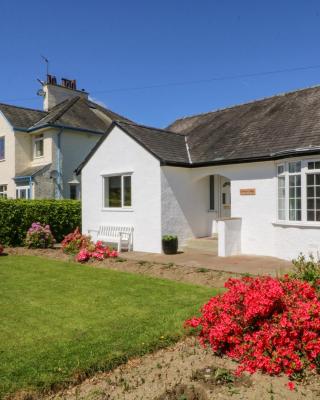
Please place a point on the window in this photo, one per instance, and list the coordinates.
(299, 191)
(295, 191)
(38, 146)
(2, 148)
(73, 191)
(313, 191)
(3, 191)
(23, 192)
(117, 191)
(281, 193)
(211, 183)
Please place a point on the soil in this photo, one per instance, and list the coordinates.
(184, 371)
(196, 276)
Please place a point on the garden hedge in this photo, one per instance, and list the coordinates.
(16, 216)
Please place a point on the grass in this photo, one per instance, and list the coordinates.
(59, 320)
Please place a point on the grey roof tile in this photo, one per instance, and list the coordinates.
(257, 129)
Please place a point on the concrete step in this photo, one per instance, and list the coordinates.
(207, 244)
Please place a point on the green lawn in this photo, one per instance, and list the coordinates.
(58, 319)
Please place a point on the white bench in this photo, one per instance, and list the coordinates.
(116, 234)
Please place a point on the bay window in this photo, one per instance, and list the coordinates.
(117, 191)
(299, 191)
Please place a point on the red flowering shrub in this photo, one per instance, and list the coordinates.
(95, 251)
(1, 249)
(266, 324)
(75, 241)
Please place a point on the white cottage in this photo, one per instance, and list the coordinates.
(250, 173)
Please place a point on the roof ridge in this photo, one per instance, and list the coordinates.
(243, 104)
(67, 103)
(150, 127)
(24, 108)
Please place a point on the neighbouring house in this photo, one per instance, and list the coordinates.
(39, 150)
(250, 173)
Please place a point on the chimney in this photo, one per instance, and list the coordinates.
(54, 93)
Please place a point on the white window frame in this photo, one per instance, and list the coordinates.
(4, 191)
(304, 172)
(4, 148)
(37, 139)
(27, 188)
(123, 207)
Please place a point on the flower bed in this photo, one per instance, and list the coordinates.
(97, 252)
(266, 324)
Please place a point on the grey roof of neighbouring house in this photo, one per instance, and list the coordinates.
(31, 171)
(73, 113)
(267, 129)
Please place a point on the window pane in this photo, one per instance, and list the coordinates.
(2, 155)
(310, 215)
(310, 191)
(310, 179)
(294, 167)
(281, 198)
(211, 192)
(310, 165)
(112, 190)
(295, 196)
(39, 148)
(313, 203)
(73, 191)
(127, 191)
(317, 165)
(280, 169)
(310, 204)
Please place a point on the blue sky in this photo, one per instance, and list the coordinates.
(113, 47)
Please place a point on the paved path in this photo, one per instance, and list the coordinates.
(254, 265)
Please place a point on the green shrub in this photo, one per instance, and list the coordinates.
(306, 269)
(16, 216)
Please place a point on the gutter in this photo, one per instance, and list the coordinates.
(58, 126)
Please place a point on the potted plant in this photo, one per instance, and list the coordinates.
(170, 244)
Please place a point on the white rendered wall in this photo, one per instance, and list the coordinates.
(7, 166)
(121, 154)
(259, 233)
(184, 204)
(229, 234)
(75, 146)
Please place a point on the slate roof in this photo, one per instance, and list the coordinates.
(74, 113)
(260, 129)
(267, 129)
(168, 147)
(21, 117)
(31, 171)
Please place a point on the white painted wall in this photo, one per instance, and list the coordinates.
(184, 204)
(75, 146)
(7, 166)
(259, 233)
(121, 154)
(229, 234)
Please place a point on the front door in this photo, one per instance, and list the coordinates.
(225, 200)
(23, 192)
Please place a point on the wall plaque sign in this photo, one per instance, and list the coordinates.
(248, 192)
